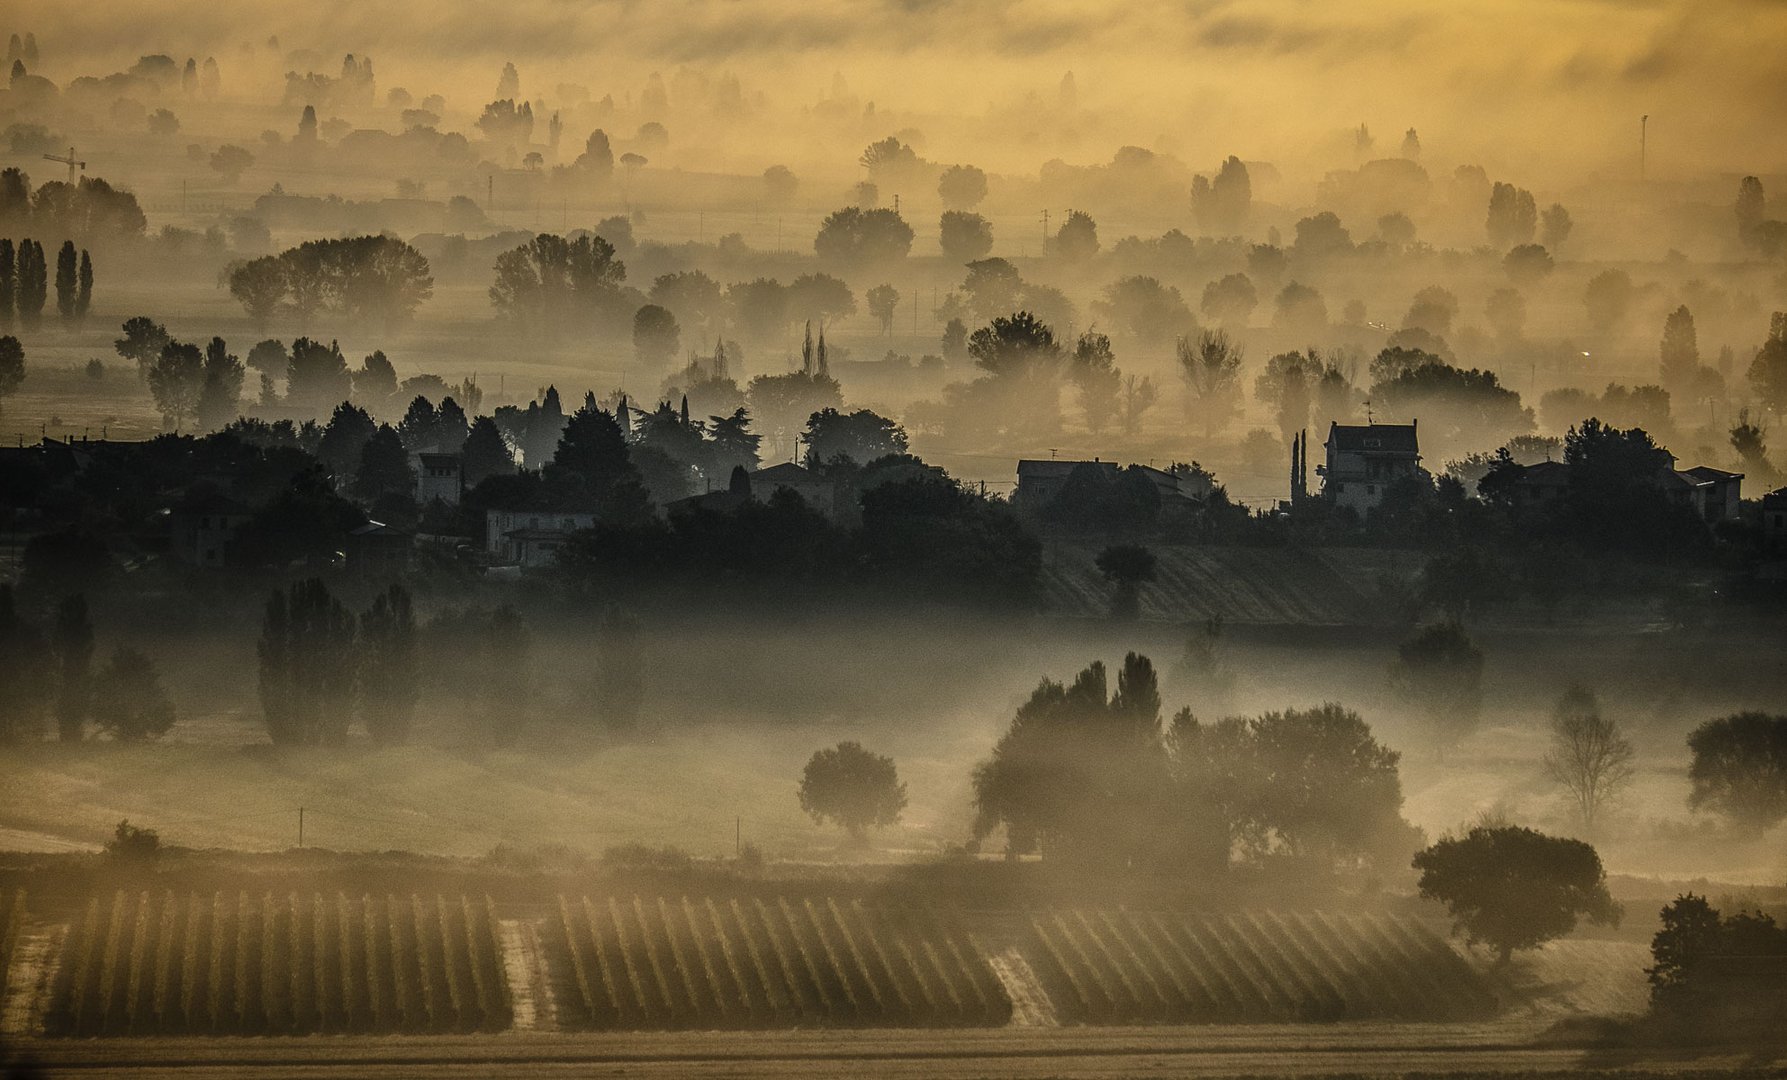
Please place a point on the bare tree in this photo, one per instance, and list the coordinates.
(1589, 756)
(1211, 367)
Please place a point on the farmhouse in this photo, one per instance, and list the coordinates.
(1365, 459)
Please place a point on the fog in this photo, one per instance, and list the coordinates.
(632, 464)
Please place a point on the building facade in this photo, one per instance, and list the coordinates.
(1363, 460)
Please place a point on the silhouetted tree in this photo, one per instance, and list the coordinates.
(883, 301)
(1079, 774)
(1210, 365)
(1512, 888)
(1128, 567)
(220, 387)
(1439, 670)
(1221, 205)
(1695, 952)
(12, 367)
(962, 187)
(9, 284)
(1077, 238)
(306, 666)
(1589, 755)
(317, 376)
(389, 668)
(384, 467)
(964, 236)
(128, 699)
(1679, 351)
(1767, 374)
(853, 236)
(67, 274)
(1554, 226)
(656, 336)
(1146, 310)
(260, 286)
(83, 297)
(1739, 769)
(1607, 297)
(71, 650)
(33, 283)
(177, 381)
(1093, 371)
(854, 787)
(861, 436)
(1230, 301)
(22, 689)
(142, 342)
(1751, 208)
(486, 454)
(1513, 216)
(558, 285)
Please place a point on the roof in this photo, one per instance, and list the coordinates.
(787, 473)
(1374, 439)
(1545, 474)
(1053, 469)
(1706, 474)
(1775, 498)
(433, 459)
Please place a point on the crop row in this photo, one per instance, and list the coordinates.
(271, 965)
(1122, 966)
(12, 925)
(721, 962)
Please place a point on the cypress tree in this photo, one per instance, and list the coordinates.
(72, 644)
(8, 282)
(83, 297)
(66, 261)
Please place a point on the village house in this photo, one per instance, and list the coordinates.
(1363, 460)
(530, 538)
(818, 492)
(438, 477)
(202, 528)
(1774, 518)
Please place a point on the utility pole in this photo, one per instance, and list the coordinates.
(896, 204)
(300, 827)
(490, 192)
(1045, 233)
(1643, 144)
(738, 836)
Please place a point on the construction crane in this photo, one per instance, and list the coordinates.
(69, 161)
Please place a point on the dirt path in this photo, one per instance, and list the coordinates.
(28, 980)
(1030, 1004)
(526, 971)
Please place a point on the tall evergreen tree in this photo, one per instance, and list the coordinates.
(485, 453)
(384, 467)
(8, 282)
(66, 273)
(389, 671)
(72, 645)
(33, 288)
(83, 297)
(21, 667)
(220, 395)
(306, 666)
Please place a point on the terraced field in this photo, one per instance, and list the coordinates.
(1115, 966)
(235, 964)
(718, 962)
(1272, 586)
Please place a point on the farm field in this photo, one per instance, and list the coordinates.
(235, 964)
(752, 962)
(1121, 966)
